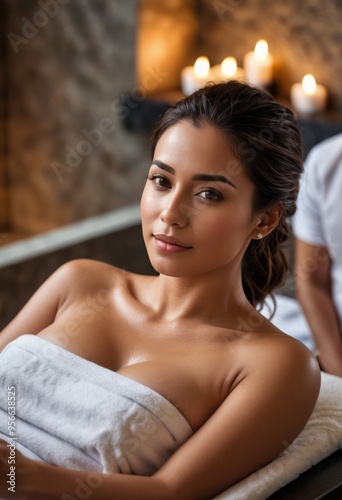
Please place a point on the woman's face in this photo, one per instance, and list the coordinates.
(196, 207)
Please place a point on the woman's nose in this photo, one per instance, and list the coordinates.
(176, 212)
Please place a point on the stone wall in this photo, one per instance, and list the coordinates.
(167, 39)
(304, 36)
(3, 202)
(69, 64)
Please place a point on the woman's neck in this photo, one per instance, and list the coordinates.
(201, 297)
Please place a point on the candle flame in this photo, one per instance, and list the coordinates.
(261, 49)
(202, 67)
(309, 84)
(229, 66)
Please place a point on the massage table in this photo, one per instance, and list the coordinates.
(323, 480)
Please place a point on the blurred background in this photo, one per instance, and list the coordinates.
(83, 80)
(66, 65)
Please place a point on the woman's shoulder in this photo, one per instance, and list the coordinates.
(282, 360)
(85, 265)
(90, 268)
(280, 373)
(87, 276)
(272, 344)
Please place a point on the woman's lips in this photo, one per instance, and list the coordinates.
(170, 244)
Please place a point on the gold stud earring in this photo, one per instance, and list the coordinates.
(259, 236)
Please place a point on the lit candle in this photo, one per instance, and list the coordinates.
(227, 70)
(258, 65)
(229, 67)
(308, 97)
(195, 77)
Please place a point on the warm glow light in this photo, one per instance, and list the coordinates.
(229, 66)
(261, 49)
(309, 84)
(202, 67)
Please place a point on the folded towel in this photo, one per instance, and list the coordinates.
(321, 437)
(73, 413)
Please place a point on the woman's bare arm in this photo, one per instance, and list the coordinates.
(257, 421)
(313, 276)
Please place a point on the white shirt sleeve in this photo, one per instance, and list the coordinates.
(307, 222)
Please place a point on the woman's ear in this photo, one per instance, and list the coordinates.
(268, 220)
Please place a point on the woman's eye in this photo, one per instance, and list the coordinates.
(211, 194)
(159, 181)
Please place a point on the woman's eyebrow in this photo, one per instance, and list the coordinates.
(196, 177)
(213, 178)
(163, 166)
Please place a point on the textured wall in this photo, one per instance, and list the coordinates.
(3, 204)
(304, 36)
(167, 39)
(69, 63)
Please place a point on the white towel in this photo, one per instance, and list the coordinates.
(73, 413)
(321, 437)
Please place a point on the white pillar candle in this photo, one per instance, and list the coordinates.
(195, 77)
(308, 97)
(227, 70)
(229, 67)
(258, 65)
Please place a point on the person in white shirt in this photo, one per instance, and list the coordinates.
(317, 227)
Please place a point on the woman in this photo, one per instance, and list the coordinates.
(223, 179)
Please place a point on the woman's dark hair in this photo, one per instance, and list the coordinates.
(265, 138)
